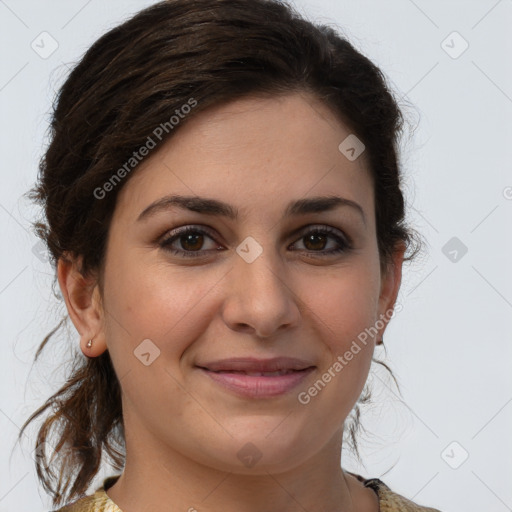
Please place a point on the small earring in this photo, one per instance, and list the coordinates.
(89, 344)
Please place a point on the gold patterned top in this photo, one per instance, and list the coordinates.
(388, 500)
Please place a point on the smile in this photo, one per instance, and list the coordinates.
(253, 378)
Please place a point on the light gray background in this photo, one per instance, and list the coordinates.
(450, 346)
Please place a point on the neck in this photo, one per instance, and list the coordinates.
(156, 476)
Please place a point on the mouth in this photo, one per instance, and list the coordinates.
(253, 378)
(257, 374)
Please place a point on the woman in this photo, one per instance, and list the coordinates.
(223, 209)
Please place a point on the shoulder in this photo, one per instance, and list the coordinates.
(85, 504)
(390, 501)
(97, 502)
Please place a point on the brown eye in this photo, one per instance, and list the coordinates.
(190, 242)
(316, 241)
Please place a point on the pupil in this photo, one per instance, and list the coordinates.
(188, 242)
(317, 237)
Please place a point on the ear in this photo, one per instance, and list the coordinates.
(83, 302)
(389, 288)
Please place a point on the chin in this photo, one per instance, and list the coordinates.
(264, 447)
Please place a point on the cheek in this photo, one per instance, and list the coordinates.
(343, 311)
(167, 305)
(344, 304)
(343, 329)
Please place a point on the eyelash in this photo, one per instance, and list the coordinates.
(345, 243)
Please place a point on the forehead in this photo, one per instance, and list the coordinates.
(255, 153)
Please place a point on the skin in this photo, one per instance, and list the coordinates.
(183, 431)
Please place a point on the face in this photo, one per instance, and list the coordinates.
(195, 320)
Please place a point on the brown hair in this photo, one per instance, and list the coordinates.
(128, 83)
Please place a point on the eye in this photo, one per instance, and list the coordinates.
(190, 238)
(315, 240)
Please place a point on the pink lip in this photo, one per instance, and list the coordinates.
(229, 373)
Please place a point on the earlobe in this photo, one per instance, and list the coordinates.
(93, 347)
(83, 305)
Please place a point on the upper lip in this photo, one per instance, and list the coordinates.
(251, 364)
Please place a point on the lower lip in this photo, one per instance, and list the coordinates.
(259, 386)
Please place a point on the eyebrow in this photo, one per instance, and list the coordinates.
(218, 208)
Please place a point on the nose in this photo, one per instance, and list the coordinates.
(259, 299)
